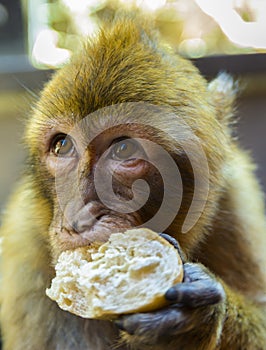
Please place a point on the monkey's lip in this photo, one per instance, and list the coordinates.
(105, 225)
(99, 231)
(110, 222)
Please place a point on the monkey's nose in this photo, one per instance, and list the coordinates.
(81, 226)
(86, 217)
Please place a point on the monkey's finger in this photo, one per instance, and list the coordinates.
(195, 294)
(198, 289)
(174, 242)
(164, 322)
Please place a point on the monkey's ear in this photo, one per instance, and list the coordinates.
(223, 91)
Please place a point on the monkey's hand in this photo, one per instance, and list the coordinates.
(192, 320)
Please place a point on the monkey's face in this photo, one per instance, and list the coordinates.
(124, 166)
(107, 174)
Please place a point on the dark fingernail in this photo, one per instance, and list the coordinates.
(120, 324)
(174, 243)
(170, 239)
(171, 294)
(126, 326)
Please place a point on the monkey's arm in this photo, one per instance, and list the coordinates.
(245, 323)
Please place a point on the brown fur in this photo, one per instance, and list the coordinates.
(124, 64)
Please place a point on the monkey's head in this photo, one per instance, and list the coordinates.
(129, 134)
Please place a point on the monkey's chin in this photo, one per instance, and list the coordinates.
(64, 238)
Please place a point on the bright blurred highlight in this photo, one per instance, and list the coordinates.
(240, 32)
(45, 50)
(195, 28)
(151, 5)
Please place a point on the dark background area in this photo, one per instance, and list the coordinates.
(11, 27)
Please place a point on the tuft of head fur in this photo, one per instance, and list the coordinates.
(126, 62)
(223, 91)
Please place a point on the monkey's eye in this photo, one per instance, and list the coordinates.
(62, 145)
(125, 149)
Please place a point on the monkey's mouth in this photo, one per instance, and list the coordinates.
(105, 225)
(97, 230)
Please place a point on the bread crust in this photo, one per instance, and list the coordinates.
(130, 273)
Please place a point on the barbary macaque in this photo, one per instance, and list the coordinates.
(129, 134)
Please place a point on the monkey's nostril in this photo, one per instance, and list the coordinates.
(75, 226)
(82, 225)
(99, 217)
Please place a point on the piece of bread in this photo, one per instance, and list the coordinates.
(129, 273)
